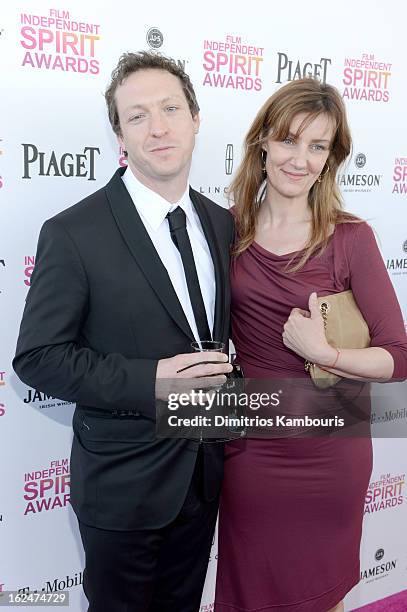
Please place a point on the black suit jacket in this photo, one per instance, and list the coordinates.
(100, 312)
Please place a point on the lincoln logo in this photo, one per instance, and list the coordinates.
(229, 159)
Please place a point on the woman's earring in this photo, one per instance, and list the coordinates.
(263, 161)
(321, 176)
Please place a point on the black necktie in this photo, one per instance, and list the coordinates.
(178, 228)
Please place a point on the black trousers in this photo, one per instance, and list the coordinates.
(156, 570)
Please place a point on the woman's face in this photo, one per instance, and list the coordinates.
(294, 164)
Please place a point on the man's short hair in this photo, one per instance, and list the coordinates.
(145, 60)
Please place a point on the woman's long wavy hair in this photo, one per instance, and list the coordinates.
(248, 188)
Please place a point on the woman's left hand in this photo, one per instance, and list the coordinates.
(305, 335)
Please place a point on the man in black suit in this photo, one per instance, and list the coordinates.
(113, 308)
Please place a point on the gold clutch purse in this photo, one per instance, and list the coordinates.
(345, 328)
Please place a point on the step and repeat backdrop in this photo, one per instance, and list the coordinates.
(57, 146)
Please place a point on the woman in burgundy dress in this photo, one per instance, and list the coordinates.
(291, 508)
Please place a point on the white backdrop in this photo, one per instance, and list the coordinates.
(57, 146)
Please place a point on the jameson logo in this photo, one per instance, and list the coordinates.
(42, 163)
(34, 396)
(359, 181)
(398, 265)
(380, 570)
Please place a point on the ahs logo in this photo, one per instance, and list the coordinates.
(229, 159)
(360, 160)
(154, 38)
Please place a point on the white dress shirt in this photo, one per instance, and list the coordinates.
(153, 210)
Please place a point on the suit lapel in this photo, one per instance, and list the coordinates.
(139, 243)
(213, 244)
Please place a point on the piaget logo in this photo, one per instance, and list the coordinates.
(290, 69)
(43, 163)
(57, 41)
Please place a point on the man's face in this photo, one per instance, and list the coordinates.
(157, 128)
